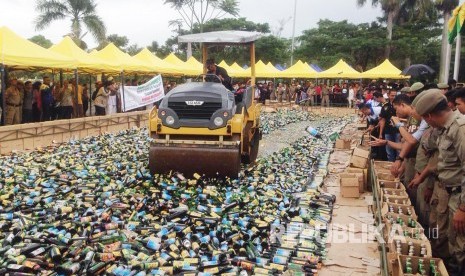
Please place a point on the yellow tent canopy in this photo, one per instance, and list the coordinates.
(84, 61)
(156, 63)
(224, 65)
(384, 70)
(114, 56)
(180, 65)
(195, 65)
(264, 71)
(20, 53)
(341, 70)
(299, 70)
(238, 71)
(234, 70)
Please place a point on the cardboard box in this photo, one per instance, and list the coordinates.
(362, 171)
(343, 143)
(350, 192)
(397, 200)
(404, 246)
(383, 165)
(386, 192)
(390, 184)
(360, 178)
(350, 186)
(393, 230)
(361, 126)
(397, 208)
(362, 151)
(393, 264)
(426, 264)
(381, 184)
(405, 220)
(358, 162)
(386, 176)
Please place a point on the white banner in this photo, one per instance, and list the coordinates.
(142, 95)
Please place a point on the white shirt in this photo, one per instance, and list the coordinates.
(375, 115)
(421, 129)
(351, 94)
(112, 100)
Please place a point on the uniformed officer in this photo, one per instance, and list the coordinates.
(444, 87)
(13, 104)
(415, 90)
(451, 169)
(432, 191)
(425, 166)
(405, 90)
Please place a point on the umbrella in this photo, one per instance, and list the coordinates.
(417, 70)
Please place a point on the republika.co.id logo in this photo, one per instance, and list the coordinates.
(194, 103)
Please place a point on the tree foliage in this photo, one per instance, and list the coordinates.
(361, 44)
(119, 41)
(79, 12)
(197, 12)
(417, 42)
(41, 41)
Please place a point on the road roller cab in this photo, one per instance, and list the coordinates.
(198, 127)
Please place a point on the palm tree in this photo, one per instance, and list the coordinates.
(81, 12)
(391, 9)
(446, 7)
(200, 11)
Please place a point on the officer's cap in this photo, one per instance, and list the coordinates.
(416, 86)
(429, 101)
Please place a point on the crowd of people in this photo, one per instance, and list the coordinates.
(421, 129)
(307, 93)
(40, 101)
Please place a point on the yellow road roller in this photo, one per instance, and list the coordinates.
(199, 127)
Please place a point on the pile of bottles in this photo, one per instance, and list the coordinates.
(281, 118)
(91, 207)
(399, 210)
(422, 268)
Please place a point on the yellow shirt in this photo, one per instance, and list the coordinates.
(79, 95)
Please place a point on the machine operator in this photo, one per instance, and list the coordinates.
(213, 68)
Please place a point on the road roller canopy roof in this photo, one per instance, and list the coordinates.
(227, 37)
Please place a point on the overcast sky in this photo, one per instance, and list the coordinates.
(144, 21)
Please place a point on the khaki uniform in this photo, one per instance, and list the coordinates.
(451, 174)
(311, 92)
(436, 212)
(423, 156)
(13, 106)
(324, 97)
(292, 90)
(409, 172)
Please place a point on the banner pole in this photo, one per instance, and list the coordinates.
(76, 97)
(89, 95)
(3, 88)
(122, 90)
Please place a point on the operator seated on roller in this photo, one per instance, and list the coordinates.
(222, 74)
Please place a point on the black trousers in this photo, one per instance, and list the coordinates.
(27, 116)
(100, 111)
(66, 112)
